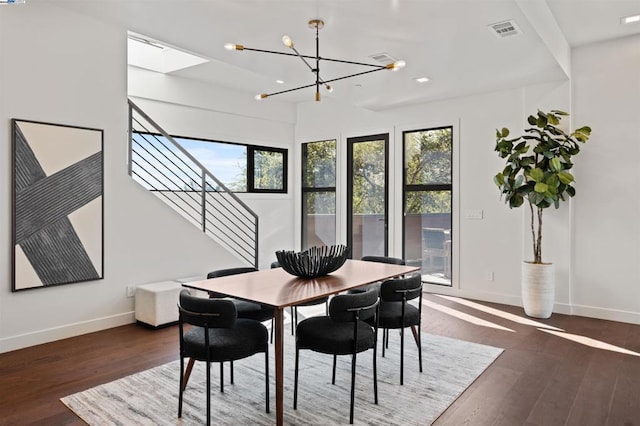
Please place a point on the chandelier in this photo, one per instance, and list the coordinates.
(315, 24)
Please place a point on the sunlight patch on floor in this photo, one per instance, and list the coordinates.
(499, 313)
(463, 316)
(588, 341)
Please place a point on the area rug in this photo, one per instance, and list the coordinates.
(151, 397)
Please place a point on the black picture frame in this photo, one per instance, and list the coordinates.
(58, 204)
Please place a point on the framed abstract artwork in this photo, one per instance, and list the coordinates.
(58, 204)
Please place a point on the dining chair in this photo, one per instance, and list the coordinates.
(294, 308)
(397, 313)
(249, 310)
(379, 259)
(217, 335)
(343, 332)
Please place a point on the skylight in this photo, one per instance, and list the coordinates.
(149, 54)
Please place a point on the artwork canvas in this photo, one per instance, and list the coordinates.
(57, 204)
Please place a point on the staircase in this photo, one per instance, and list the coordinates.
(167, 170)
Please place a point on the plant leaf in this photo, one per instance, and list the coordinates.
(536, 174)
(541, 187)
(565, 177)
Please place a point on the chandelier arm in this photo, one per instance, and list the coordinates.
(311, 57)
(353, 63)
(291, 90)
(355, 75)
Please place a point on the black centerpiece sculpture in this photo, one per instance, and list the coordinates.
(314, 262)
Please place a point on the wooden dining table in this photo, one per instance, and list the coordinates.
(277, 288)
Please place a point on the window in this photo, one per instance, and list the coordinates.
(318, 193)
(241, 168)
(427, 202)
(268, 167)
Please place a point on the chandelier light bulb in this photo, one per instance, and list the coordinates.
(287, 41)
(398, 64)
(329, 88)
(230, 46)
(261, 96)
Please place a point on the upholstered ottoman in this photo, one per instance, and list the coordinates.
(157, 303)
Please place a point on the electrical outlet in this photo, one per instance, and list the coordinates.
(489, 275)
(474, 214)
(131, 290)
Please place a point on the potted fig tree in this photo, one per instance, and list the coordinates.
(538, 174)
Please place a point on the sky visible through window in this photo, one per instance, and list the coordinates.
(225, 161)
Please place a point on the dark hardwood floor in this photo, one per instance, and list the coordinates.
(540, 378)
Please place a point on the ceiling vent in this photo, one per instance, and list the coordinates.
(383, 58)
(505, 29)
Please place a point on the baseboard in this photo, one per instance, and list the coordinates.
(558, 308)
(606, 314)
(70, 330)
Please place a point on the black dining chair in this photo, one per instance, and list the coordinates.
(397, 313)
(379, 259)
(294, 309)
(249, 310)
(217, 335)
(345, 331)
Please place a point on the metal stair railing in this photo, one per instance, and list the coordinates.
(165, 168)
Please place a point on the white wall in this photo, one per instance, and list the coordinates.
(65, 68)
(606, 96)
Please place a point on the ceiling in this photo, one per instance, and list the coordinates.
(447, 41)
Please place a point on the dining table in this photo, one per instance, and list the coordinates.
(276, 287)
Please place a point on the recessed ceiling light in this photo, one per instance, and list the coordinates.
(630, 19)
(280, 81)
(422, 79)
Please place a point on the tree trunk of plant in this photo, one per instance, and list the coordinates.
(536, 235)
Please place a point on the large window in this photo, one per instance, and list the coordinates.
(241, 168)
(427, 202)
(318, 193)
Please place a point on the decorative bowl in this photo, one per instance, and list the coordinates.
(314, 262)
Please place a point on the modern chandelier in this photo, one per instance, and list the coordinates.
(315, 24)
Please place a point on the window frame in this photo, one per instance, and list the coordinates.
(304, 189)
(430, 187)
(250, 179)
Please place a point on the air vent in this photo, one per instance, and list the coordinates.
(383, 58)
(505, 29)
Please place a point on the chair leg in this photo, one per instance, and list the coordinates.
(231, 362)
(181, 387)
(402, 356)
(271, 331)
(187, 373)
(266, 374)
(208, 392)
(221, 377)
(385, 338)
(419, 342)
(353, 387)
(292, 321)
(295, 380)
(333, 374)
(375, 376)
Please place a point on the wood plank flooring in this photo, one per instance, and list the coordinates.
(540, 379)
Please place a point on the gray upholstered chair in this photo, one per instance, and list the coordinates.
(345, 331)
(217, 335)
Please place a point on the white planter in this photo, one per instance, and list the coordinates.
(538, 289)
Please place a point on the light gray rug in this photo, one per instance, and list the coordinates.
(151, 397)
